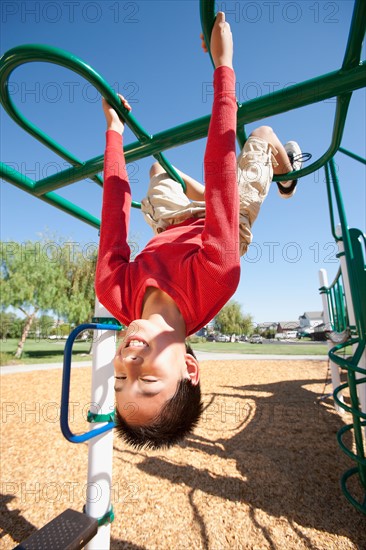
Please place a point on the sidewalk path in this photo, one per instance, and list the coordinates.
(201, 356)
(12, 369)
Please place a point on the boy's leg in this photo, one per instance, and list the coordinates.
(263, 155)
(289, 158)
(166, 203)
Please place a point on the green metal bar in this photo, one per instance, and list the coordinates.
(346, 429)
(335, 281)
(342, 105)
(352, 155)
(348, 362)
(207, 15)
(352, 265)
(241, 136)
(254, 109)
(352, 385)
(352, 56)
(311, 91)
(330, 203)
(26, 184)
(281, 101)
(358, 240)
(351, 59)
(21, 181)
(35, 52)
(354, 252)
(341, 212)
(341, 321)
(332, 306)
(345, 320)
(171, 171)
(360, 506)
(339, 83)
(337, 308)
(340, 300)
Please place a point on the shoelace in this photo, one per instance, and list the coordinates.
(302, 157)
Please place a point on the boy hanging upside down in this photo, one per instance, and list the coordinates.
(190, 268)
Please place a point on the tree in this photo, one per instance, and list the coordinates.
(44, 327)
(230, 320)
(30, 280)
(10, 325)
(48, 275)
(78, 266)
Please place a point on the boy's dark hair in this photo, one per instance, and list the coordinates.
(177, 418)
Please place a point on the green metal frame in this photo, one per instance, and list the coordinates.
(336, 304)
(354, 243)
(340, 84)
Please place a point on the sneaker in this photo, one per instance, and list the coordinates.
(287, 189)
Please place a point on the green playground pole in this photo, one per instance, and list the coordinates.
(352, 155)
(340, 84)
(26, 184)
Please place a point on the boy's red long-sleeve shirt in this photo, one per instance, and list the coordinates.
(196, 262)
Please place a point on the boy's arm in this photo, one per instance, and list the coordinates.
(114, 250)
(221, 232)
(221, 45)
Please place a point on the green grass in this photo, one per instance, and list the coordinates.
(46, 351)
(283, 348)
(43, 351)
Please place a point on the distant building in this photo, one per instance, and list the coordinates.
(311, 319)
(287, 330)
(264, 327)
(311, 322)
(287, 326)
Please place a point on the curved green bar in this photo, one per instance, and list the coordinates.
(352, 155)
(207, 14)
(354, 243)
(37, 52)
(40, 53)
(338, 84)
(351, 60)
(312, 91)
(360, 506)
(356, 35)
(26, 184)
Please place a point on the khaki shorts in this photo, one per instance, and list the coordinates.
(166, 203)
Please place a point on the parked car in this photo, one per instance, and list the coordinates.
(256, 339)
(222, 338)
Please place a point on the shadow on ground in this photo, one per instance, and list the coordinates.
(286, 451)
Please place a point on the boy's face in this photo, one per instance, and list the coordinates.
(148, 366)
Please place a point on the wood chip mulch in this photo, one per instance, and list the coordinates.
(261, 471)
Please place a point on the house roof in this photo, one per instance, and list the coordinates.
(313, 314)
(267, 324)
(288, 325)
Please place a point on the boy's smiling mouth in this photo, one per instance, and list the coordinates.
(136, 343)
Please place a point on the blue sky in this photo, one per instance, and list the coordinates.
(150, 52)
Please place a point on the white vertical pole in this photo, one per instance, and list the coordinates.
(334, 369)
(361, 388)
(98, 493)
